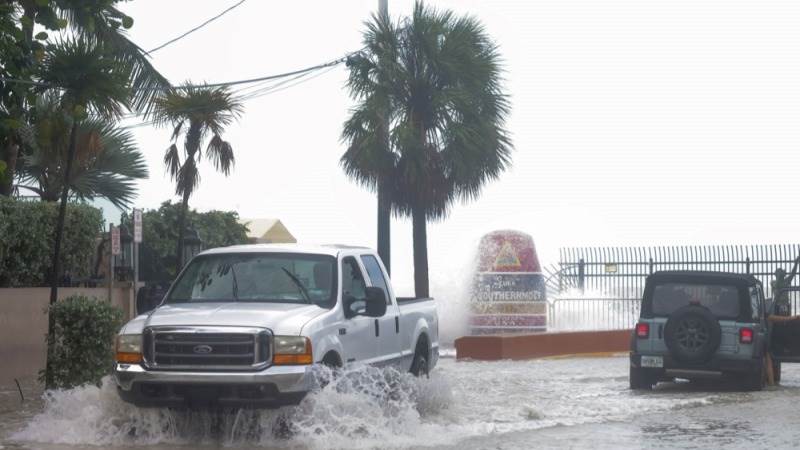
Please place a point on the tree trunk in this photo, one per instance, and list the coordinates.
(55, 266)
(11, 155)
(420, 235)
(181, 230)
(384, 227)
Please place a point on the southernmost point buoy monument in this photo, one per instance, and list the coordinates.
(508, 308)
(508, 292)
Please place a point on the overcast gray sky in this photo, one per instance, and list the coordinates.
(647, 122)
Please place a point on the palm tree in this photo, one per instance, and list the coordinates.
(370, 158)
(94, 22)
(85, 79)
(106, 163)
(195, 112)
(447, 119)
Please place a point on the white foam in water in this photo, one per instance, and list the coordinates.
(363, 407)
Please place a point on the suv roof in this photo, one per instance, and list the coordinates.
(699, 276)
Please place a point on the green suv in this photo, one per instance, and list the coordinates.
(700, 325)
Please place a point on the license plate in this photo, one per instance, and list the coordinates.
(652, 361)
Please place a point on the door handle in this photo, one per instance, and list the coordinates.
(377, 328)
(397, 324)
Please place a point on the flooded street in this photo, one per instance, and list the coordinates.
(566, 403)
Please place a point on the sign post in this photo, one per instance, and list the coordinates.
(114, 250)
(137, 239)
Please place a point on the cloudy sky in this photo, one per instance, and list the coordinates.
(647, 122)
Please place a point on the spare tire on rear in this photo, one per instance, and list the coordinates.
(692, 334)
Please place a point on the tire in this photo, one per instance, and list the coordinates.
(419, 366)
(692, 334)
(639, 381)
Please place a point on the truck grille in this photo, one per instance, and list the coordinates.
(200, 348)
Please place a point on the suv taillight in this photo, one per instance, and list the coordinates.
(746, 336)
(642, 330)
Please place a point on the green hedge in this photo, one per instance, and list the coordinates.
(83, 350)
(26, 241)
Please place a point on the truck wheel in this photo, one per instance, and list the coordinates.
(420, 364)
(639, 380)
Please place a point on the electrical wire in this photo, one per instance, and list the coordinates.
(195, 28)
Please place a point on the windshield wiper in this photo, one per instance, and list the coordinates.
(299, 285)
(235, 287)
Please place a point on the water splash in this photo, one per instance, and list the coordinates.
(361, 408)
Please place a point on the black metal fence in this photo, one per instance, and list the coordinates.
(600, 287)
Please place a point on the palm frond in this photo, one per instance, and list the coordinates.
(220, 153)
(172, 160)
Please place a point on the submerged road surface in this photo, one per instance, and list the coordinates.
(568, 403)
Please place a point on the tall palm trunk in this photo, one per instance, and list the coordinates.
(384, 226)
(419, 232)
(55, 266)
(181, 230)
(11, 155)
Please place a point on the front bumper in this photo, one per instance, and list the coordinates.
(716, 367)
(272, 387)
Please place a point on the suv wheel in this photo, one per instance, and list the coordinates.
(692, 334)
(640, 380)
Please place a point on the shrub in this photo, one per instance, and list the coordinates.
(26, 241)
(83, 349)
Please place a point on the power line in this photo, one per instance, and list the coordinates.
(210, 85)
(261, 92)
(196, 28)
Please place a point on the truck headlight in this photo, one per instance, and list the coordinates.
(129, 348)
(292, 350)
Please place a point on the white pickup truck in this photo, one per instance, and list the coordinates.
(245, 325)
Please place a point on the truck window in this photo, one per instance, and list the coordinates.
(258, 277)
(721, 300)
(353, 284)
(755, 303)
(376, 275)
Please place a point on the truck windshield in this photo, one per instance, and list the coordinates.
(257, 277)
(721, 300)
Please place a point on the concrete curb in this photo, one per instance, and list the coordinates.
(543, 345)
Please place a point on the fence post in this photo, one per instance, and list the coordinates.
(582, 275)
(651, 266)
(747, 264)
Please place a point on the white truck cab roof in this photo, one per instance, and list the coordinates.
(331, 250)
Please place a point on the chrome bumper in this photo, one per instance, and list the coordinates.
(278, 384)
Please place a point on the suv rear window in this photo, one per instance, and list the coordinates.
(721, 300)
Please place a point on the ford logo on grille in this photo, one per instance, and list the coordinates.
(202, 349)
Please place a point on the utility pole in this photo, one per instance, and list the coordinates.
(384, 203)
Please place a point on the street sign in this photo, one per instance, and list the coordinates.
(137, 225)
(116, 248)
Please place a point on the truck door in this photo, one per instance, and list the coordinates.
(357, 332)
(785, 336)
(387, 328)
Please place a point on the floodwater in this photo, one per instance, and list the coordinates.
(557, 403)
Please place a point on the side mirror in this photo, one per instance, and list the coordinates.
(376, 302)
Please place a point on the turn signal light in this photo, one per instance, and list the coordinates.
(746, 336)
(290, 360)
(642, 330)
(129, 358)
